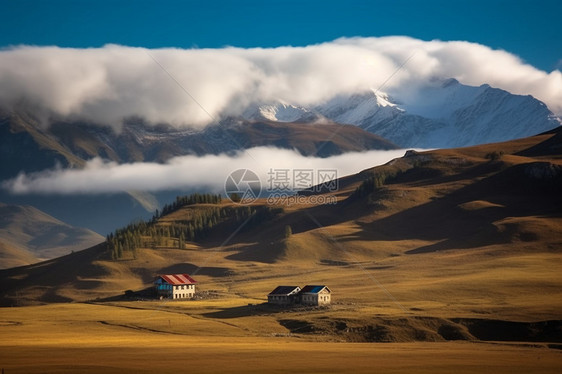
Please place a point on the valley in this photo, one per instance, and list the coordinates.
(280, 187)
(437, 260)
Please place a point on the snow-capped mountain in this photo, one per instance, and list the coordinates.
(281, 112)
(358, 108)
(441, 115)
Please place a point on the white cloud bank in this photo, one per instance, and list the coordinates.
(106, 85)
(210, 171)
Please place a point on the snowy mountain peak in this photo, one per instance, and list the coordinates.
(444, 113)
(280, 111)
(382, 98)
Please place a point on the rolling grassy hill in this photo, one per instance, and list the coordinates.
(451, 258)
(28, 235)
(453, 236)
(12, 255)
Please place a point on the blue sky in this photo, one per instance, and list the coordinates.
(529, 29)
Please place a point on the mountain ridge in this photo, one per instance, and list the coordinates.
(487, 205)
(445, 114)
(72, 144)
(29, 235)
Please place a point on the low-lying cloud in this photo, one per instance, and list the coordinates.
(185, 172)
(109, 84)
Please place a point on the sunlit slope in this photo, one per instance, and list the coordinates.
(453, 233)
(29, 234)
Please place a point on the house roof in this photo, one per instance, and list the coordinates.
(176, 279)
(285, 290)
(314, 289)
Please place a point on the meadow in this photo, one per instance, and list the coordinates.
(453, 265)
(149, 337)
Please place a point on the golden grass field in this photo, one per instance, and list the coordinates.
(86, 338)
(453, 267)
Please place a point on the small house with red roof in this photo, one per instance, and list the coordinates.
(175, 286)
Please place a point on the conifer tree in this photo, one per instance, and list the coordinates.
(288, 231)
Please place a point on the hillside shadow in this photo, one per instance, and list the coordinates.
(264, 252)
(440, 220)
(511, 194)
(548, 147)
(266, 244)
(53, 273)
(148, 293)
(246, 311)
(421, 176)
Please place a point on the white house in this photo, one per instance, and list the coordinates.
(283, 295)
(175, 286)
(315, 295)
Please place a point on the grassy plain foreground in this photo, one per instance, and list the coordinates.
(90, 338)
